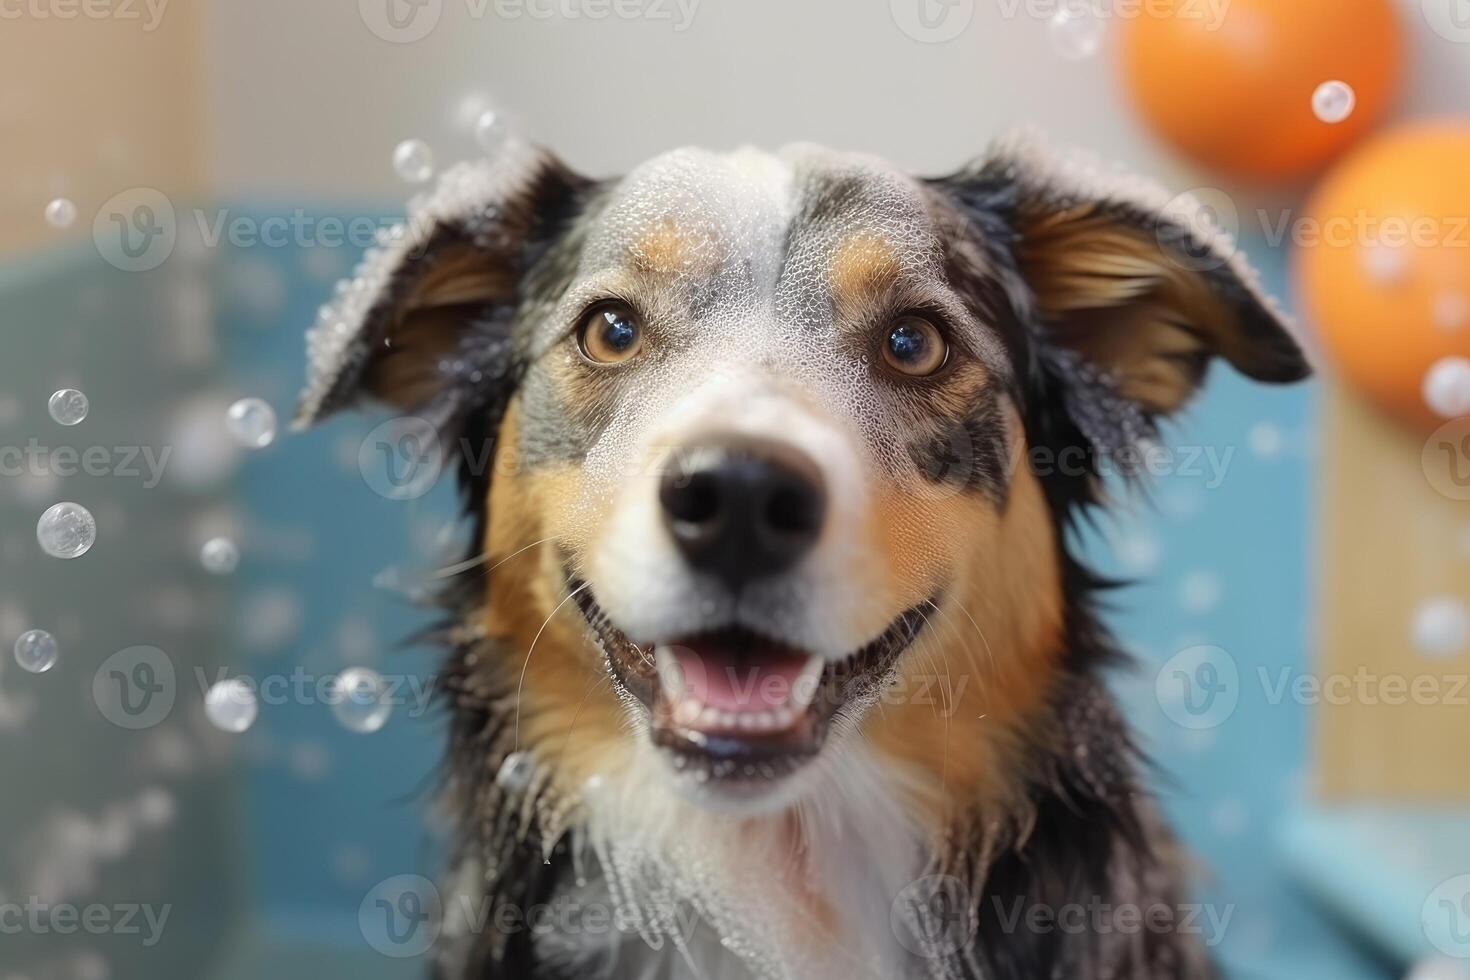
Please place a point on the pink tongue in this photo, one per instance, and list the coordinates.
(758, 680)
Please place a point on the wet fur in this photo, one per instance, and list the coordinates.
(1026, 787)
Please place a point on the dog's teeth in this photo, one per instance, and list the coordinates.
(762, 721)
(670, 674)
(804, 691)
(749, 722)
(709, 718)
(783, 718)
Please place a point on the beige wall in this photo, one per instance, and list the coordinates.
(93, 105)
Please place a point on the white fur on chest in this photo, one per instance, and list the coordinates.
(802, 894)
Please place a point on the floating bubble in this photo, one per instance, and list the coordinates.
(1200, 592)
(360, 700)
(66, 530)
(1451, 311)
(1385, 264)
(1267, 440)
(252, 422)
(219, 556)
(155, 807)
(1076, 32)
(1447, 387)
(35, 651)
(489, 130)
(515, 772)
(61, 212)
(231, 706)
(68, 406)
(90, 966)
(1334, 101)
(413, 161)
(1441, 626)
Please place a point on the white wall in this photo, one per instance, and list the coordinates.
(309, 101)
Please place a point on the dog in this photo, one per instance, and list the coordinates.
(771, 657)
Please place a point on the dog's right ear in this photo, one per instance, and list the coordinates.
(431, 308)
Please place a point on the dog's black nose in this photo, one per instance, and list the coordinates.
(744, 510)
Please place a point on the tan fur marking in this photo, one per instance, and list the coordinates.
(862, 267)
(971, 686)
(666, 248)
(567, 712)
(1118, 298)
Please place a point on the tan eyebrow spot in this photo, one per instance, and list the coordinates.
(863, 265)
(668, 247)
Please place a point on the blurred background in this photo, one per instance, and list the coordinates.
(185, 582)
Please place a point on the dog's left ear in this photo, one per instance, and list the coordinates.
(433, 303)
(1142, 286)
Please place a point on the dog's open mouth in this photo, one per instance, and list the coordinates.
(736, 706)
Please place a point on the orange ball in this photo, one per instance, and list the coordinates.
(1234, 90)
(1383, 262)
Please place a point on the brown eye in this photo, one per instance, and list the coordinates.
(610, 334)
(914, 346)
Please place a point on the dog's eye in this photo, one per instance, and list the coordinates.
(610, 334)
(914, 346)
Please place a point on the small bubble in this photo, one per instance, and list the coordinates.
(252, 422)
(1451, 311)
(1447, 387)
(35, 651)
(1200, 592)
(219, 556)
(489, 130)
(515, 772)
(1384, 264)
(1333, 101)
(360, 700)
(230, 705)
(1076, 32)
(413, 161)
(66, 530)
(68, 406)
(155, 807)
(1441, 627)
(1267, 441)
(61, 212)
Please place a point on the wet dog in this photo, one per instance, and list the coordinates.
(771, 658)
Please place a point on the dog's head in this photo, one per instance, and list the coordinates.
(759, 418)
